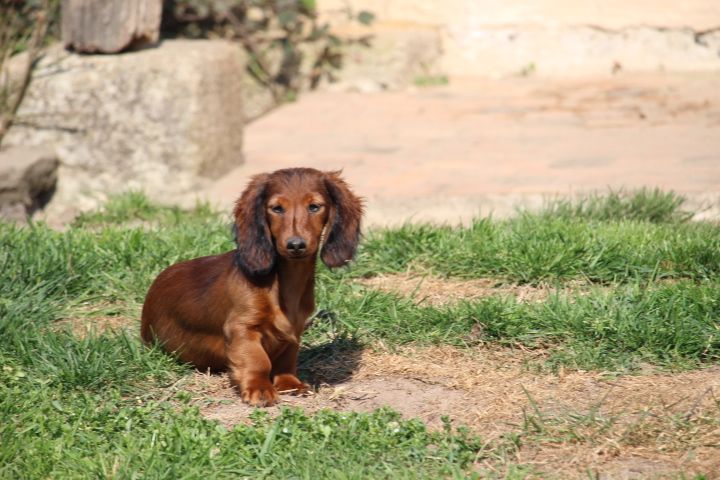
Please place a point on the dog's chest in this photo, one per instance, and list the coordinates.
(292, 305)
(282, 331)
(285, 325)
(290, 322)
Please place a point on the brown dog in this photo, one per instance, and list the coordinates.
(246, 309)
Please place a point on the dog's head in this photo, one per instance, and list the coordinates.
(286, 212)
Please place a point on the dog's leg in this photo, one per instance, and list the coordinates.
(250, 367)
(285, 372)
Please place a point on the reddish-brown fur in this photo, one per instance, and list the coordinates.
(246, 309)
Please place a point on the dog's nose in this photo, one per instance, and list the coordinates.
(296, 245)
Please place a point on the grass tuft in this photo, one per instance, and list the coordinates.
(644, 205)
(135, 206)
(537, 248)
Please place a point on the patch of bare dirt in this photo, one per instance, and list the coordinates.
(94, 319)
(571, 422)
(430, 290)
(414, 399)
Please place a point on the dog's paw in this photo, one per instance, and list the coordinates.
(260, 394)
(287, 383)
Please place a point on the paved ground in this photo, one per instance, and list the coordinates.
(477, 146)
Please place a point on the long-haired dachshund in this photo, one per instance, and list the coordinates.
(246, 309)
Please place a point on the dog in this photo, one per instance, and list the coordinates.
(245, 310)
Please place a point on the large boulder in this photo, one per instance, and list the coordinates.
(27, 180)
(165, 120)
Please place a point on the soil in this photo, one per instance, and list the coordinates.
(82, 325)
(492, 391)
(429, 290)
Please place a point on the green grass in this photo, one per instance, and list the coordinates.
(645, 205)
(620, 237)
(674, 325)
(660, 272)
(135, 206)
(431, 80)
(76, 407)
(535, 248)
(50, 432)
(113, 262)
(93, 407)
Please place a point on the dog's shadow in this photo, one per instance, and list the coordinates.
(330, 363)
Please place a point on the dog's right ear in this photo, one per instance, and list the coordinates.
(255, 250)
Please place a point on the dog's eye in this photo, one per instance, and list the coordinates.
(313, 208)
(277, 209)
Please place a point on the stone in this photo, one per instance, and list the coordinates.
(110, 26)
(28, 176)
(164, 120)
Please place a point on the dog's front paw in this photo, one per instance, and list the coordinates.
(287, 383)
(260, 394)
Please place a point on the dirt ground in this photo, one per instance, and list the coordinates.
(429, 290)
(621, 427)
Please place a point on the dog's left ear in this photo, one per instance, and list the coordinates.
(343, 231)
(255, 250)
